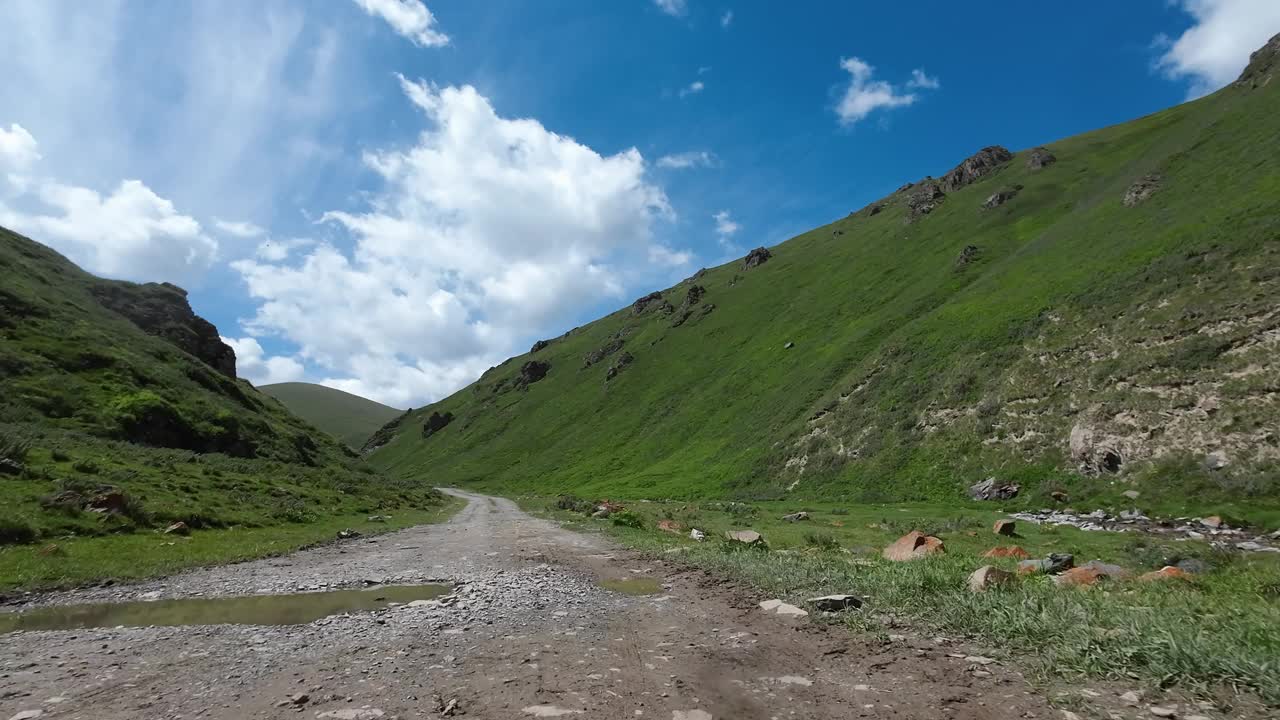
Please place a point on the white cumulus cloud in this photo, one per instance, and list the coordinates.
(684, 160)
(239, 229)
(488, 231)
(923, 81)
(131, 233)
(1213, 51)
(726, 228)
(409, 18)
(864, 95)
(253, 364)
(277, 250)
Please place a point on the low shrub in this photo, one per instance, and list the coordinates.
(626, 518)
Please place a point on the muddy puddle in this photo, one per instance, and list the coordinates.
(294, 609)
(633, 586)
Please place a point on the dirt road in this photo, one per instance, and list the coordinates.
(532, 634)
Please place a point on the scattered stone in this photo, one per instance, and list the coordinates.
(450, 708)
(1059, 496)
(1005, 527)
(749, 538)
(1141, 190)
(987, 577)
(788, 346)
(1000, 197)
(1079, 577)
(1007, 551)
(299, 699)
(836, 603)
(1195, 566)
(1108, 570)
(1132, 494)
(697, 534)
(548, 711)
(670, 526)
(178, 528)
(348, 534)
(777, 607)
(1213, 522)
(618, 366)
(1216, 460)
(968, 254)
(378, 518)
(9, 466)
(1164, 712)
(756, 258)
(975, 167)
(912, 546)
(691, 715)
(1040, 157)
(989, 489)
(1168, 572)
(353, 714)
(1133, 697)
(1052, 565)
(111, 502)
(602, 352)
(27, 715)
(796, 517)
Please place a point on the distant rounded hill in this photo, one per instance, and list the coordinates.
(350, 418)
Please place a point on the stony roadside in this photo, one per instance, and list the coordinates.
(530, 632)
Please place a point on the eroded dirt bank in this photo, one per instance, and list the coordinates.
(531, 634)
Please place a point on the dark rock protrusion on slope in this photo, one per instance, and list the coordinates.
(602, 352)
(436, 423)
(924, 200)
(644, 304)
(1001, 196)
(967, 255)
(756, 258)
(384, 434)
(539, 345)
(691, 298)
(1262, 64)
(161, 309)
(975, 167)
(874, 209)
(1040, 157)
(1141, 190)
(618, 366)
(531, 372)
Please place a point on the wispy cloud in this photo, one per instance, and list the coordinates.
(691, 159)
(692, 88)
(674, 8)
(726, 228)
(237, 228)
(922, 81)
(409, 18)
(726, 18)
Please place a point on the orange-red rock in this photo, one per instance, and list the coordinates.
(1168, 572)
(912, 546)
(1080, 577)
(1007, 551)
(670, 526)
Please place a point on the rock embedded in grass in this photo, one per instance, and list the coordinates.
(1005, 527)
(749, 538)
(913, 546)
(1053, 564)
(835, 603)
(987, 577)
(1007, 551)
(796, 517)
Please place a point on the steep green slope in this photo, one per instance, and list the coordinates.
(119, 411)
(1110, 322)
(350, 418)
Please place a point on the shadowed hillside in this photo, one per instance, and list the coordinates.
(350, 418)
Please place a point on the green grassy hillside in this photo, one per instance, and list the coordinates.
(114, 421)
(350, 418)
(1110, 322)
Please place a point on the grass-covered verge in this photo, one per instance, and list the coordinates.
(82, 560)
(1214, 636)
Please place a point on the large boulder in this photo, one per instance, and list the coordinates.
(1038, 158)
(975, 167)
(745, 538)
(539, 345)
(531, 372)
(756, 258)
(990, 489)
(1005, 527)
(913, 546)
(1052, 565)
(926, 198)
(1001, 196)
(435, 423)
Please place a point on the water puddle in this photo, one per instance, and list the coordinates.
(295, 609)
(633, 586)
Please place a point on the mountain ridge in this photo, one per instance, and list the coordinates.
(346, 416)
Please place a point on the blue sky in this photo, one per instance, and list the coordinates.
(389, 196)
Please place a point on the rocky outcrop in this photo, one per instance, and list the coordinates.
(975, 167)
(691, 299)
(1040, 157)
(649, 302)
(989, 489)
(531, 372)
(926, 198)
(756, 258)
(1001, 196)
(539, 345)
(618, 366)
(1141, 190)
(602, 352)
(435, 423)
(384, 434)
(161, 309)
(1262, 64)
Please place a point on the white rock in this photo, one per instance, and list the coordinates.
(28, 715)
(790, 610)
(548, 711)
(1164, 712)
(691, 715)
(770, 605)
(353, 714)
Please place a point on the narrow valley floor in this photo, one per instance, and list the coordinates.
(532, 633)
